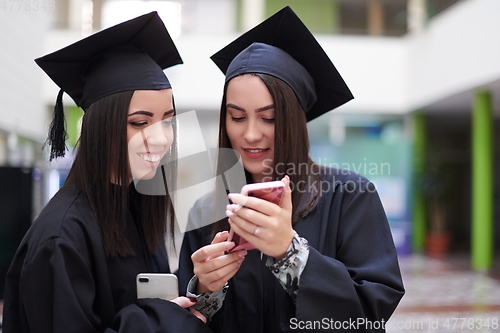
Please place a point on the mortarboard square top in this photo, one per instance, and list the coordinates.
(128, 56)
(283, 47)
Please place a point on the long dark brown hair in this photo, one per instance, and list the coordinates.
(102, 155)
(291, 136)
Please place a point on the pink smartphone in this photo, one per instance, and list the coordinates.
(270, 191)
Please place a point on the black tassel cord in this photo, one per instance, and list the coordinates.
(57, 131)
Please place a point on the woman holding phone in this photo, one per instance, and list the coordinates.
(325, 254)
(76, 268)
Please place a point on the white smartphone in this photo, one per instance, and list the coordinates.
(157, 285)
(270, 191)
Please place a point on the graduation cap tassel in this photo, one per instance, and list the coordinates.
(57, 131)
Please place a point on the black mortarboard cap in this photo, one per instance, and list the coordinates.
(125, 57)
(283, 47)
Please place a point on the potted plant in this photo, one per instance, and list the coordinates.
(434, 186)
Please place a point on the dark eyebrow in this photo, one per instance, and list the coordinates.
(146, 113)
(234, 107)
(264, 108)
(268, 107)
(150, 114)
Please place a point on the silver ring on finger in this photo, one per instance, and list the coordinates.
(256, 231)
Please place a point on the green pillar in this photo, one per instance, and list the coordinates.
(239, 15)
(320, 16)
(482, 182)
(73, 114)
(419, 211)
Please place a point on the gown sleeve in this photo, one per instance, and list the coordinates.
(59, 291)
(289, 269)
(206, 303)
(192, 241)
(359, 278)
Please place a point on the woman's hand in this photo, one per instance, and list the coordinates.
(187, 302)
(266, 225)
(213, 267)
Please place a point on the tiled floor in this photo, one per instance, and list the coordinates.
(445, 296)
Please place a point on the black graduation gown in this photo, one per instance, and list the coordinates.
(352, 273)
(61, 280)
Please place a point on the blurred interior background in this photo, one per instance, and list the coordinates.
(423, 125)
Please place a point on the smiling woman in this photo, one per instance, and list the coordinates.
(250, 123)
(150, 132)
(324, 258)
(76, 268)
